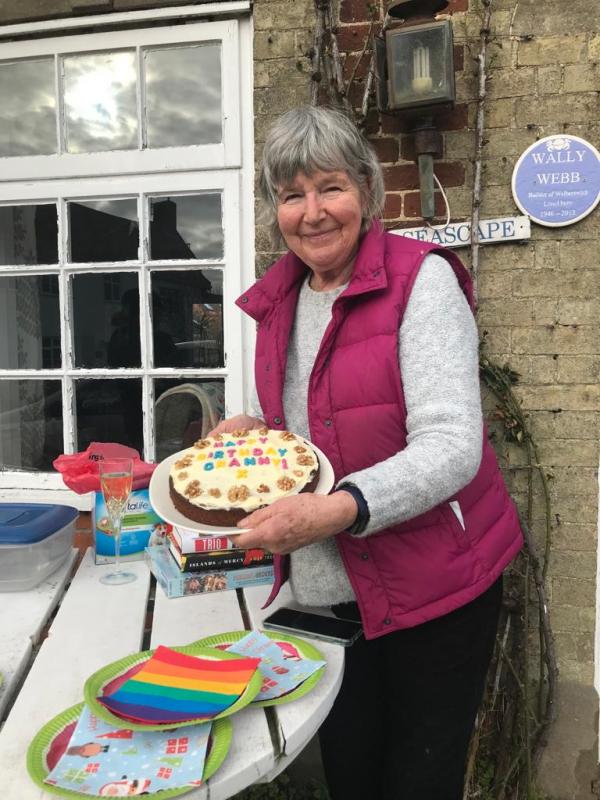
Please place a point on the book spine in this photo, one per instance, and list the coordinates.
(191, 542)
(224, 559)
(220, 559)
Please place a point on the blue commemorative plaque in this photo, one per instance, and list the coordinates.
(556, 181)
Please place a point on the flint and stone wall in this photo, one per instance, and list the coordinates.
(539, 300)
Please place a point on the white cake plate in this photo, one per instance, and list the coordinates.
(163, 505)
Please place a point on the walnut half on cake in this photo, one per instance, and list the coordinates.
(222, 479)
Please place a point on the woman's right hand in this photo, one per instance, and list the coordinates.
(239, 422)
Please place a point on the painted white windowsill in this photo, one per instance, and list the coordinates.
(45, 493)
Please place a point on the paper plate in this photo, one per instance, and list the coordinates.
(110, 677)
(305, 649)
(163, 505)
(53, 738)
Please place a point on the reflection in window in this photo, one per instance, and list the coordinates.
(183, 95)
(185, 411)
(31, 429)
(51, 352)
(27, 108)
(186, 226)
(106, 332)
(28, 316)
(188, 318)
(104, 230)
(100, 102)
(109, 410)
(29, 234)
(112, 287)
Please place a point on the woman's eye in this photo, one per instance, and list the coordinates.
(333, 189)
(288, 197)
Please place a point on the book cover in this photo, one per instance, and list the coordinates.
(190, 541)
(175, 583)
(220, 559)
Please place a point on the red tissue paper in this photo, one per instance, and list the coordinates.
(80, 470)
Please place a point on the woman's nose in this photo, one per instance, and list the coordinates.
(313, 208)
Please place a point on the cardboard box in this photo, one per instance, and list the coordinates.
(179, 584)
(141, 527)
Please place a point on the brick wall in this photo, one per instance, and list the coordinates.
(538, 300)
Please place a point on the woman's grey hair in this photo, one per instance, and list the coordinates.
(308, 139)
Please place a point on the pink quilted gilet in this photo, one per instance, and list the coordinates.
(429, 565)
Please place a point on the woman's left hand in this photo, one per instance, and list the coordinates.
(294, 522)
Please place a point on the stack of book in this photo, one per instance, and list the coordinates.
(191, 563)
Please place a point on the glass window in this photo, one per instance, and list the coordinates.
(103, 230)
(188, 318)
(123, 153)
(27, 108)
(186, 226)
(106, 331)
(28, 234)
(31, 428)
(51, 352)
(100, 102)
(185, 411)
(109, 410)
(183, 95)
(28, 316)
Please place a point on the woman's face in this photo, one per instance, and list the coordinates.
(320, 216)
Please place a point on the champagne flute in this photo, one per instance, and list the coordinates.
(116, 477)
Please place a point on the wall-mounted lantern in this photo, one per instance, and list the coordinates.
(420, 66)
(415, 77)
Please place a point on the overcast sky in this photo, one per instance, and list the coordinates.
(183, 100)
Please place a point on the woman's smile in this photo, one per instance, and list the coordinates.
(320, 217)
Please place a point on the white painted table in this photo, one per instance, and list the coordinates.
(98, 624)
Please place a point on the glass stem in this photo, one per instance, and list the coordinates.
(115, 523)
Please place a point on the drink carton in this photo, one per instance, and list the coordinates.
(141, 527)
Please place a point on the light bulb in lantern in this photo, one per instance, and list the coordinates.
(421, 81)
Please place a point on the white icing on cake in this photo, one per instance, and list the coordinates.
(244, 469)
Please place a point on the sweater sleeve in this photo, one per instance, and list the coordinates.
(438, 353)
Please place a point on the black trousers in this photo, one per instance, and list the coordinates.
(401, 723)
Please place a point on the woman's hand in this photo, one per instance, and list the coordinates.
(240, 421)
(294, 522)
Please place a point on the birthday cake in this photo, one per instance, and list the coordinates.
(222, 479)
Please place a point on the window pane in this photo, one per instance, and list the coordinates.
(31, 429)
(27, 108)
(104, 230)
(109, 411)
(185, 411)
(106, 320)
(29, 319)
(100, 102)
(29, 234)
(188, 318)
(183, 95)
(188, 226)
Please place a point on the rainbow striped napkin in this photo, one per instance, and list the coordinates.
(174, 687)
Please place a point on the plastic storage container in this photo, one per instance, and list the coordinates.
(35, 539)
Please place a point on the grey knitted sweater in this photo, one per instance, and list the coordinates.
(438, 348)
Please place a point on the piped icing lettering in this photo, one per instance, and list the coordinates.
(256, 460)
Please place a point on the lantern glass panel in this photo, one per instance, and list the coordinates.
(420, 65)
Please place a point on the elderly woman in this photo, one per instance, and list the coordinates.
(367, 346)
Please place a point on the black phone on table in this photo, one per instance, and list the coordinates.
(317, 626)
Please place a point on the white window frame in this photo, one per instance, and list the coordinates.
(227, 168)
